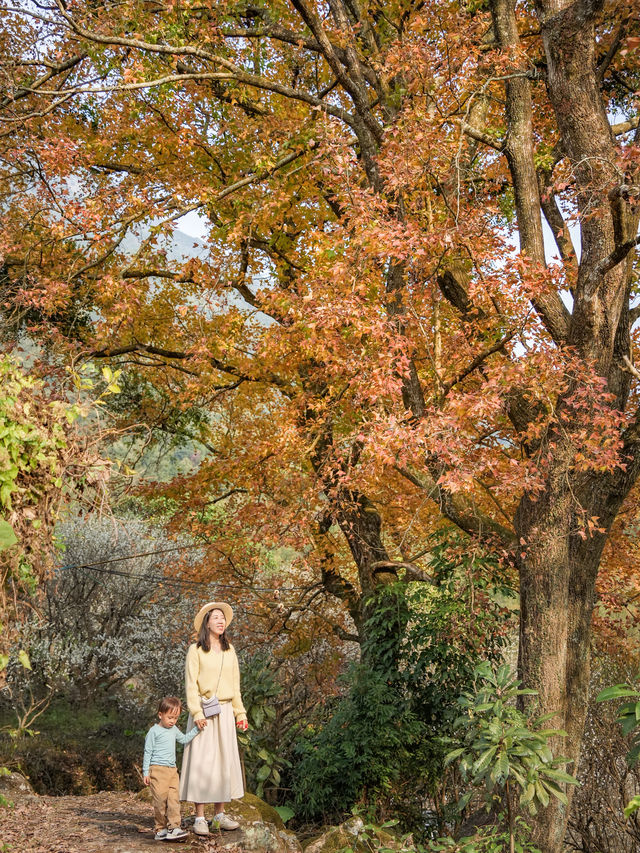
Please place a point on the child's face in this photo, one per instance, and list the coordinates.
(169, 718)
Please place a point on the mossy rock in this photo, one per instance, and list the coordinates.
(14, 785)
(252, 808)
(352, 834)
(261, 827)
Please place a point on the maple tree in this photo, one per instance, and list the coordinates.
(376, 337)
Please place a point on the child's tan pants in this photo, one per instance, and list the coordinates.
(163, 782)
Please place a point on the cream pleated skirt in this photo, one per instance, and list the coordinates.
(211, 771)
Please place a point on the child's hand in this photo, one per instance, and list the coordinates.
(243, 725)
(146, 780)
(201, 724)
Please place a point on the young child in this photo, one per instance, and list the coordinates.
(159, 769)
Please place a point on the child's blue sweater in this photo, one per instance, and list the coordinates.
(160, 745)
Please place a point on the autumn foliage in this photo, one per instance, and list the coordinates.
(416, 302)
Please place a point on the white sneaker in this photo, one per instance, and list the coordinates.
(200, 826)
(160, 835)
(175, 834)
(223, 821)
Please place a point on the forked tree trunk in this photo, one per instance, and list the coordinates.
(558, 566)
(558, 570)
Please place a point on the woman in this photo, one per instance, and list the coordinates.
(211, 771)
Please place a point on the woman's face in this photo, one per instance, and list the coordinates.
(217, 622)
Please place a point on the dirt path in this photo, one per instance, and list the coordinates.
(99, 823)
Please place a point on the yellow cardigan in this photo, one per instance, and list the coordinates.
(201, 676)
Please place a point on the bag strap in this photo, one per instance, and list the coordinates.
(219, 674)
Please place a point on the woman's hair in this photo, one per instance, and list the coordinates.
(203, 635)
(169, 703)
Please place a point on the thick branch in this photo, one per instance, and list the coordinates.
(239, 74)
(625, 126)
(614, 258)
(481, 136)
(411, 571)
(62, 67)
(519, 151)
(554, 217)
(459, 510)
(223, 367)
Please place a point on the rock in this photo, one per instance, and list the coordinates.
(352, 834)
(261, 827)
(252, 808)
(15, 785)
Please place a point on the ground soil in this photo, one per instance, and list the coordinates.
(97, 823)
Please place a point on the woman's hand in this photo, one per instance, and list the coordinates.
(243, 725)
(201, 723)
(146, 780)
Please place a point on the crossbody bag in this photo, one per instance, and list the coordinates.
(211, 707)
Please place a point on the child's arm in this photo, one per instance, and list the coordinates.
(146, 758)
(189, 735)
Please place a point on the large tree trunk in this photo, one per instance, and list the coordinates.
(557, 586)
(558, 566)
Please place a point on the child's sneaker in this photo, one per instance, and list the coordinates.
(160, 835)
(175, 834)
(200, 826)
(223, 821)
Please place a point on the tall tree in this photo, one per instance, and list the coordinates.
(371, 342)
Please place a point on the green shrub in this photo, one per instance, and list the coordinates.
(362, 748)
(502, 752)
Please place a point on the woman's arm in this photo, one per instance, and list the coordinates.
(192, 669)
(238, 708)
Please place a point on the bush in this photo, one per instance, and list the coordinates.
(107, 628)
(360, 751)
(382, 742)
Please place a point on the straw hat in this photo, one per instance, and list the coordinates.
(213, 605)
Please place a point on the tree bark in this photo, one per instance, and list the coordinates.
(559, 558)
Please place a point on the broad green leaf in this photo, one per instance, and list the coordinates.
(7, 535)
(528, 794)
(23, 657)
(503, 765)
(618, 691)
(541, 794)
(451, 756)
(263, 773)
(556, 791)
(483, 762)
(632, 806)
(560, 776)
(285, 812)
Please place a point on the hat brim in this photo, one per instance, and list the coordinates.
(213, 605)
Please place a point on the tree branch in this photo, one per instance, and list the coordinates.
(481, 136)
(477, 362)
(460, 511)
(61, 68)
(612, 260)
(412, 572)
(223, 367)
